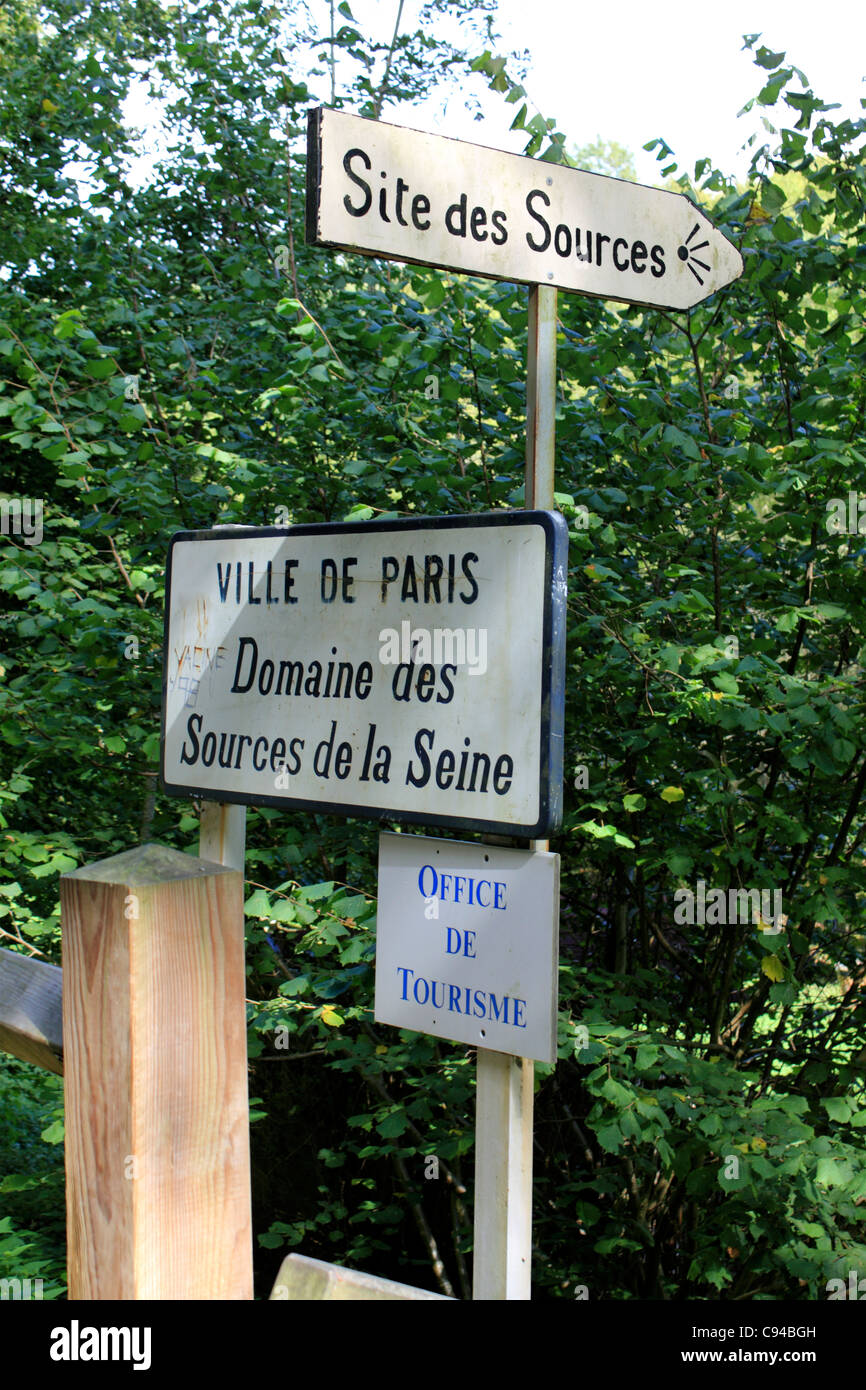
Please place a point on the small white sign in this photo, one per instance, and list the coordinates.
(406, 670)
(410, 196)
(467, 943)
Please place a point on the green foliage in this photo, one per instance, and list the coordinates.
(605, 157)
(32, 1209)
(173, 354)
(674, 1130)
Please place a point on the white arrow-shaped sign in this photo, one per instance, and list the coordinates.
(405, 195)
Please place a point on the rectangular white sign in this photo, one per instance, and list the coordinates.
(409, 670)
(410, 196)
(467, 943)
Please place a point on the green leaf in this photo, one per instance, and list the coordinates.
(645, 1057)
(773, 198)
(769, 94)
(831, 1172)
(610, 1137)
(100, 368)
(766, 58)
(838, 1108)
(393, 1125)
(773, 968)
(258, 905)
(19, 1182)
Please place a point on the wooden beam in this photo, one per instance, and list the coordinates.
(303, 1278)
(31, 1014)
(157, 1122)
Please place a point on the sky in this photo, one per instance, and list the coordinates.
(630, 70)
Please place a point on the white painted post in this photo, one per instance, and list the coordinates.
(541, 397)
(222, 836)
(504, 1097)
(503, 1177)
(223, 833)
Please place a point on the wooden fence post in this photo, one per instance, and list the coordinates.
(31, 1010)
(154, 1041)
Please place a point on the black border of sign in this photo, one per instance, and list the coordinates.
(552, 674)
(314, 199)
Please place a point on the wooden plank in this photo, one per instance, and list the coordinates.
(31, 1014)
(306, 1279)
(154, 1030)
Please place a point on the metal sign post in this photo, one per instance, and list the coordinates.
(504, 1085)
